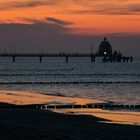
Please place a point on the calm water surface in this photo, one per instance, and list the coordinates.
(31, 70)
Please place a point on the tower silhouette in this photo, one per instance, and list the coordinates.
(105, 48)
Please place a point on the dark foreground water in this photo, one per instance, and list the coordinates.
(76, 70)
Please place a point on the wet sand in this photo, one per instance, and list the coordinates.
(61, 124)
(24, 98)
(113, 117)
(29, 98)
(27, 124)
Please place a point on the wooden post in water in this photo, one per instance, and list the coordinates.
(40, 58)
(131, 59)
(14, 58)
(67, 58)
(92, 58)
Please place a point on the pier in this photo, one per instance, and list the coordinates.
(41, 55)
(92, 56)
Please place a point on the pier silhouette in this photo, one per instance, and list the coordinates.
(105, 51)
(92, 56)
(41, 55)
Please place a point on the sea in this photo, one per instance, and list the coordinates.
(105, 78)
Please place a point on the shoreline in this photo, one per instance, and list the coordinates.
(29, 98)
(45, 124)
(63, 124)
(17, 99)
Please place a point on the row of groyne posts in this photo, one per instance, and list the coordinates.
(107, 106)
(67, 56)
(73, 82)
(98, 106)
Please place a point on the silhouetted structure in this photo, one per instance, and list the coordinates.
(117, 57)
(105, 48)
(105, 51)
(41, 55)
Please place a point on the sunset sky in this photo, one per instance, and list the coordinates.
(69, 25)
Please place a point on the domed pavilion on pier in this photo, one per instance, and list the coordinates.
(105, 48)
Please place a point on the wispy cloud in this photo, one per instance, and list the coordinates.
(48, 24)
(25, 4)
(85, 6)
(37, 35)
(58, 21)
(131, 10)
(107, 7)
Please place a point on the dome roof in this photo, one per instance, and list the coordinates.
(105, 48)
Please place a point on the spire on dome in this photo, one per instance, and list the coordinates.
(105, 38)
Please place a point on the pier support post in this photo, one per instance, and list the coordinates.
(92, 58)
(40, 58)
(124, 59)
(67, 58)
(14, 58)
(131, 59)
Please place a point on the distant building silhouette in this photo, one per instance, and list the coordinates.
(105, 48)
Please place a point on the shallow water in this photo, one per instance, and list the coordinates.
(77, 69)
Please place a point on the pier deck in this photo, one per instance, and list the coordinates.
(92, 56)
